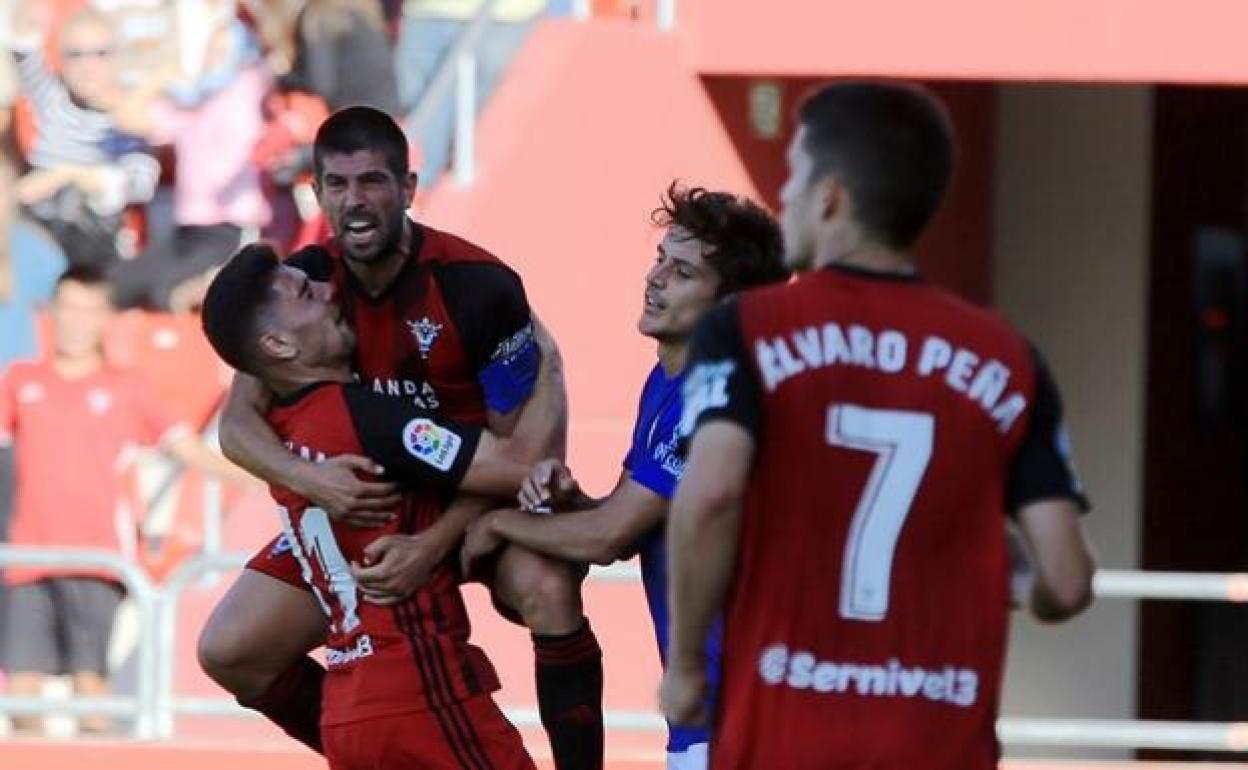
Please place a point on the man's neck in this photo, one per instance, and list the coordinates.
(673, 354)
(866, 256)
(76, 367)
(288, 382)
(377, 276)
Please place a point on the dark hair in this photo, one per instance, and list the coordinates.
(352, 129)
(86, 275)
(234, 302)
(744, 242)
(891, 144)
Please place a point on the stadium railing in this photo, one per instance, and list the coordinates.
(155, 704)
(142, 706)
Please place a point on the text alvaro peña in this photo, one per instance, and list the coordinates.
(888, 351)
(778, 666)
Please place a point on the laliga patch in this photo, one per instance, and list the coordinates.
(431, 443)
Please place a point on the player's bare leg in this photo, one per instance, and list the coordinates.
(30, 685)
(547, 595)
(88, 684)
(256, 644)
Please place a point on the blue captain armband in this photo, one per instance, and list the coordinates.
(511, 375)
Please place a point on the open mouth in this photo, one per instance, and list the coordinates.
(360, 229)
(652, 304)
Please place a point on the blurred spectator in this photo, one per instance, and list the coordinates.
(427, 34)
(214, 122)
(30, 261)
(72, 419)
(85, 170)
(343, 55)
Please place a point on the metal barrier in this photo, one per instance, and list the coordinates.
(142, 707)
(155, 705)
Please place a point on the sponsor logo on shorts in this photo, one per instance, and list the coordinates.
(779, 666)
(431, 443)
(281, 547)
(362, 648)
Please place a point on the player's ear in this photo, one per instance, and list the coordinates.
(409, 186)
(278, 346)
(831, 195)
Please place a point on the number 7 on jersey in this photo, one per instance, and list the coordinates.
(902, 443)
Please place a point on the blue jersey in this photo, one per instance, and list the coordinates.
(656, 461)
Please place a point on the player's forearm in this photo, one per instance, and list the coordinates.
(579, 536)
(702, 537)
(448, 530)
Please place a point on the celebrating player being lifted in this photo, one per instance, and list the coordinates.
(404, 686)
(447, 325)
(859, 437)
(715, 244)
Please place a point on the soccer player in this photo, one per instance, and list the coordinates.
(859, 437)
(404, 688)
(446, 325)
(715, 244)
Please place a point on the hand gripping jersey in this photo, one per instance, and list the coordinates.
(895, 427)
(452, 333)
(413, 656)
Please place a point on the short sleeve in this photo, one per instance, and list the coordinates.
(489, 307)
(414, 445)
(659, 467)
(314, 261)
(722, 383)
(1043, 465)
(155, 423)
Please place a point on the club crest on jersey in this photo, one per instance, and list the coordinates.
(426, 333)
(431, 443)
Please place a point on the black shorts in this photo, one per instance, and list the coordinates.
(60, 625)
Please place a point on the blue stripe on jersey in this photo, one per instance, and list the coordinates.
(656, 460)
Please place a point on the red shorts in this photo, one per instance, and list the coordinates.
(472, 735)
(276, 560)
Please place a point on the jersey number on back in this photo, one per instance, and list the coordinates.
(902, 443)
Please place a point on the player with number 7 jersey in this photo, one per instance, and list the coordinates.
(859, 438)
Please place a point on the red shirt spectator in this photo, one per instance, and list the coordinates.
(74, 435)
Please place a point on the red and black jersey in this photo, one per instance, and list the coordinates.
(895, 427)
(381, 660)
(452, 331)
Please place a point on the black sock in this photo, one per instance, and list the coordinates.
(293, 702)
(569, 697)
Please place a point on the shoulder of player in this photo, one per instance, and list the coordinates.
(446, 248)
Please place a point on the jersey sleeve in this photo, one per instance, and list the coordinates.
(722, 383)
(659, 467)
(155, 423)
(1043, 466)
(314, 261)
(489, 307)
(414, 445)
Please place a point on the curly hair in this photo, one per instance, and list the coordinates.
(743, 242)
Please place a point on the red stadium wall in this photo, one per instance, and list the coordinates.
(956, 251)
(1059, 40)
